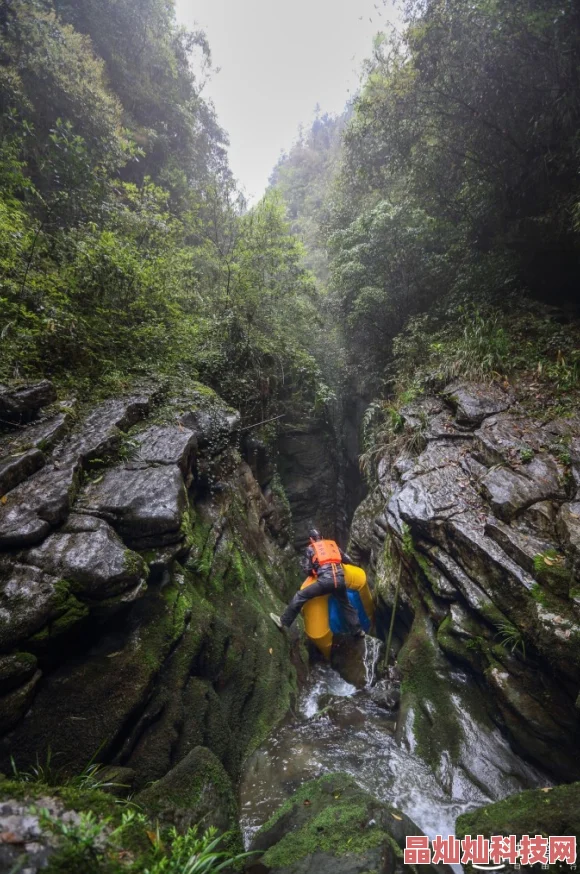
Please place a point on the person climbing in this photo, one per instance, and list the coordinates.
(324, 560)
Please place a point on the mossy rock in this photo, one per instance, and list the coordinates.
(331, 826)
(195, 790)
(48, 848)
(425, 694)
(534, 812)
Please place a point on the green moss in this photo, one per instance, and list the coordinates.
(331, 815)
(133, 564)
(539, 595)
(423, 687)
(551, 569)
(537, 811)
(70, 613)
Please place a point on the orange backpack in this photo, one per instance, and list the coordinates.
(325, 552)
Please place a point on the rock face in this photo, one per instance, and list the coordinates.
(138, 564)
(22, 404)
(485, 522)
(330, 825)
(310, 472)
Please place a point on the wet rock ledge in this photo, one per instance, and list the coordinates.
(139, 558)
(481, 504)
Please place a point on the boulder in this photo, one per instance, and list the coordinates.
(196, 790)
(213, 426)
(568, 524)
(474, 402)
(16, 669)
(146, 505)
(546, 811)
(510, 492)
(29, 600)
(167, 444)
(14, 704)
(42, 435)
(331, 826)
(14, 469)
(35, 506)
(387, 694)
(99, 434)
(88, 554)
(504, 438)
(521, 545)
(19, 405)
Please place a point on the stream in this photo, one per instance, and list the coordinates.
(351, 734)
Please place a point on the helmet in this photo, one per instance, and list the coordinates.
(314, 534)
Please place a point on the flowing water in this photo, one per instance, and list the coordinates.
(351, 734)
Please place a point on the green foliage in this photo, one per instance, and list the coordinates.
(91, 777)
(195, 853)
(457, 178)
(99, 845)
(511, 638)
(125, 246)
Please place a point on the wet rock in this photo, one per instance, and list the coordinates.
(21, 404)
(509, 492)
(348, 658)
(519, 544)
(196, 790)
(88, 702)
(42, 435)
(167, 444)
(438, 454)
(575, 462)
(331, 826)
(99, 434)
(541, 518)
(89, 554)
(432, 498)
(444, 719)
(444, 427)
(32, 508)
(29, 599)
(213, 426)
(474, 402)
(14, 469)
(14, 704)
(418, 413)
(309, 471)
(505, 437)
(568, 524)
(16, 669)
(387, 694)
(258, 457)
(145, 505)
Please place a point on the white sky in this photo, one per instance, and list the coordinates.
(277, 60)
